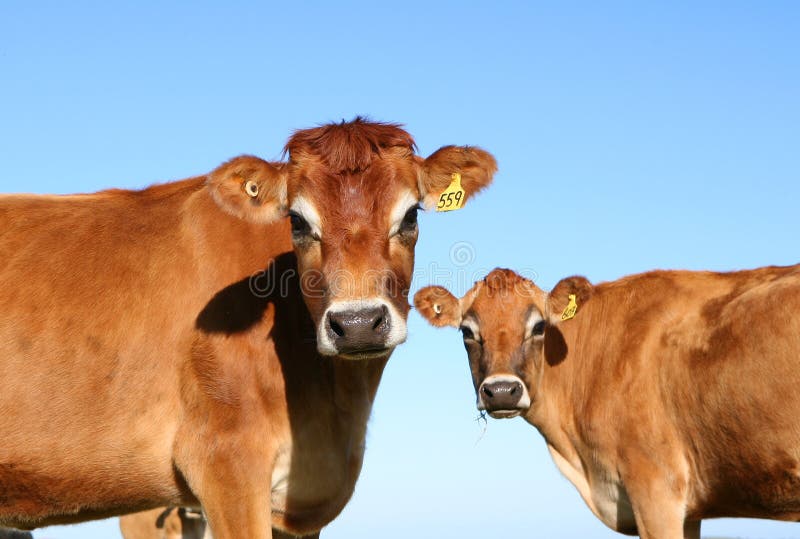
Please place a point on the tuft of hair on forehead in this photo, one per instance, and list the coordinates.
(504, 281)
(348, 147)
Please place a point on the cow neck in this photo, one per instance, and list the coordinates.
(346, 388)
(554, 403)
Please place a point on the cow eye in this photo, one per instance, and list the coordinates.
(538, 329)
(409, 222)
(301, 230)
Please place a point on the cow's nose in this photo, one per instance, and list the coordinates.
(501, 395)
(362, 330)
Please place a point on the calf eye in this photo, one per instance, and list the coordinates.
(538, 329)
(409, 222)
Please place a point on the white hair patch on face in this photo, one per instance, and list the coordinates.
(405, 202)
(472, 325)
(302, 207)
(534, 318)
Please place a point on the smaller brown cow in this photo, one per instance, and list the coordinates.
(665, 398)
(165, 523)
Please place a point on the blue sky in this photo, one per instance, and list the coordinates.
(630, 136)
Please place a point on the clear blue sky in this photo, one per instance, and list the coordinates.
(630, 135)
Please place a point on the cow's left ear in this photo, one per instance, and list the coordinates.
(567, 298)
(250, 188)
(475, 166)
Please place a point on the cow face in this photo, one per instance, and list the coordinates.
(352, 192)
(504, 320)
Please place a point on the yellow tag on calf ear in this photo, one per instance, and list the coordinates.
(572, 308)
(453, 197)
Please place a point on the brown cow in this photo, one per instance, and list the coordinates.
(665, 398)
(164, 523)
(186, 344)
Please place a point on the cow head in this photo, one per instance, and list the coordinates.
(509, 327)
(351, 191)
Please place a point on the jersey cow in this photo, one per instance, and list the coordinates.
(188, 344)
(665, 398)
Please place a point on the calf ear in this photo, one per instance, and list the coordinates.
(567, 298)
(476, 167)
(438, 306)
(250, 188)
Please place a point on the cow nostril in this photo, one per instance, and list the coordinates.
(379, 321)
(487, 391)
(336, 328)
(514, 389)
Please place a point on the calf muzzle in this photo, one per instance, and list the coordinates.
(503, 396)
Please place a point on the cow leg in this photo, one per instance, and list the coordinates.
(660, 515)
(659, 510)
(233, 487)
(658, 493)
(227, 521)
(236, 509)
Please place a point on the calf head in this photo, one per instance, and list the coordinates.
(351, 191)
(509, 327)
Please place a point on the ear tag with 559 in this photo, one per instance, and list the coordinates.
(452, 198)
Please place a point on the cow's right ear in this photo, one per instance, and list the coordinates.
(250, 189)
(438, 306)
(567, 298)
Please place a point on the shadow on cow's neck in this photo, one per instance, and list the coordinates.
(241, 305)
(328, 399)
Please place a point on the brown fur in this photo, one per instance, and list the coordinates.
(349, 148)
(670, 397)
(158, 348)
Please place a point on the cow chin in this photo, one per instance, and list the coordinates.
(366, 354)
(504, 414)
(360, 329)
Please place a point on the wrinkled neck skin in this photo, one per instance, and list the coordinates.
(555, 411)
(576, 428)
(552, 409)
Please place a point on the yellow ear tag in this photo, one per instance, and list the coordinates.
(572, 308)
(453, 197)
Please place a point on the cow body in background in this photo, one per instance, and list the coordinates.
(164, 523)
(189, 345)
(665, 398)
(8, 533)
